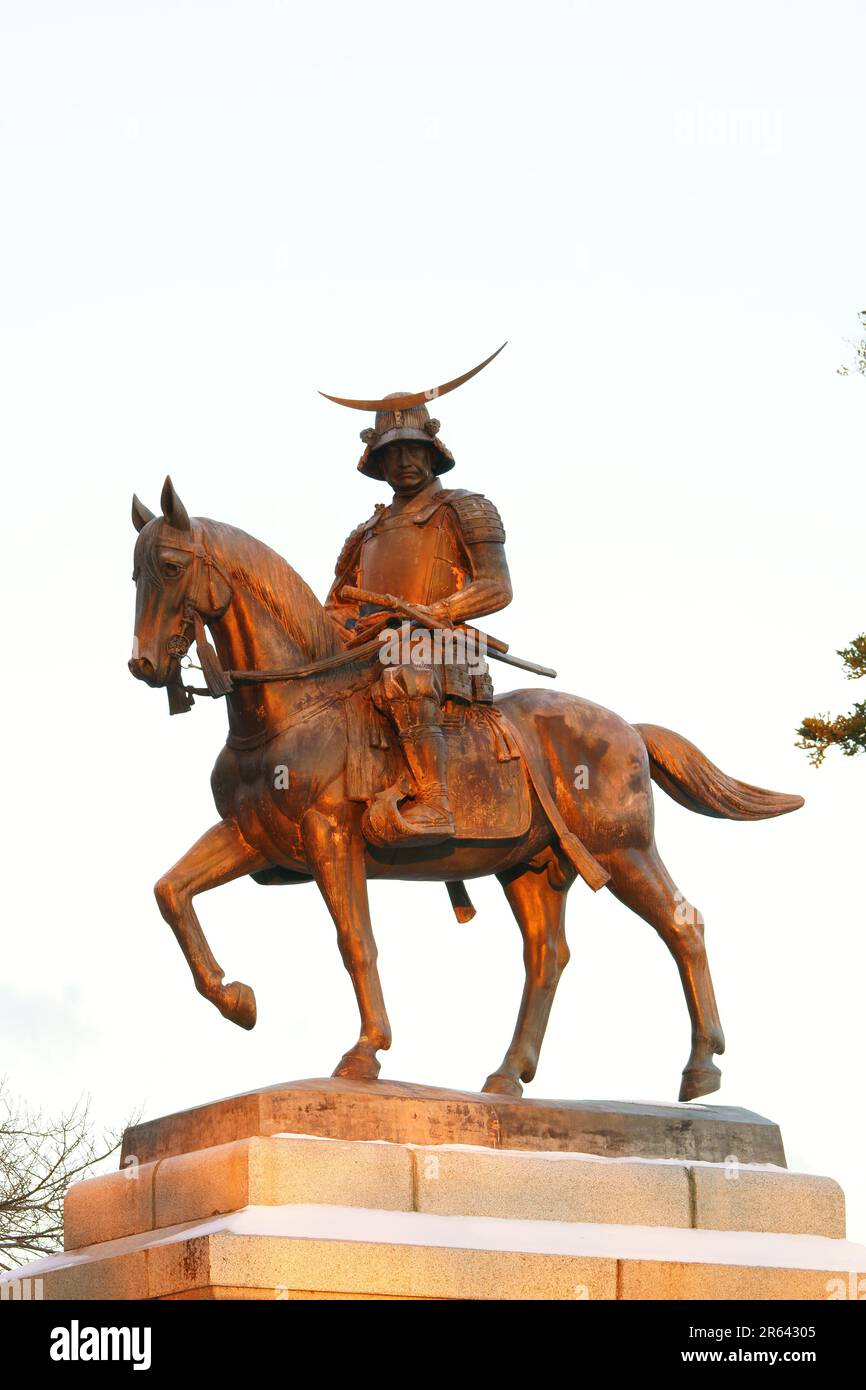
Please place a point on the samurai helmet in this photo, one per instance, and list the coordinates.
(414, 423)
(404, 415)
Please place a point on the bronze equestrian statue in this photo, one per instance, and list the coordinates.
(340, 766)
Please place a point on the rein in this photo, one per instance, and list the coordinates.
(219, 682)
(290, 673)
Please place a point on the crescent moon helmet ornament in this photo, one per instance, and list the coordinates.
(415, 397)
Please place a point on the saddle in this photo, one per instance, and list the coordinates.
(488, 788)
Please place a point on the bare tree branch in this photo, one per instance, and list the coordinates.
(39, 1159)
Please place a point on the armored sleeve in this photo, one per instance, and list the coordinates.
(478, 520)
(481, 536)
(351, 546)
(344, 570)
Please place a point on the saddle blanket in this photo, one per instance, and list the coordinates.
(487, 783)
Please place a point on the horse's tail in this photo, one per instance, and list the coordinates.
(690, 778)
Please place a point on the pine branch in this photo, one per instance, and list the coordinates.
(859, 364)
(821, 732)
(854, 657)
(846, 732)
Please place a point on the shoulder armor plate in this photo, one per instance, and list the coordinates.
(478, 518)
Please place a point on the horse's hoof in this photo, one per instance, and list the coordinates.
(500, 1083)
(358, 1067)
(700, 1081)
(239, 1005)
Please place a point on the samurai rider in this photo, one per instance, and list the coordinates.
(442, 552)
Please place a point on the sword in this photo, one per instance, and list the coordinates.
(491, 645)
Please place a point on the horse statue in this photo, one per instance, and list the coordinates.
(287, 815)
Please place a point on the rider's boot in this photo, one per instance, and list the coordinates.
(412, 698)
(428, 814)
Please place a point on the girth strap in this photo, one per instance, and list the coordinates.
(585, 863)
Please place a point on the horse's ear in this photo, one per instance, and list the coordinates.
(141, 514)
(173, 509)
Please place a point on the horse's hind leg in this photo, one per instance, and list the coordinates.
(537, 898)
(641, 881)
(222, 854)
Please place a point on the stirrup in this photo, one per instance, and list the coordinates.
(384, 825)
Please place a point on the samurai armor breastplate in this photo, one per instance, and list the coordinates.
(415, 556)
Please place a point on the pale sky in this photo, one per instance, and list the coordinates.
(211, 210)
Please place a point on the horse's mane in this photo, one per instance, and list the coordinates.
(265, 576)
(270, 579)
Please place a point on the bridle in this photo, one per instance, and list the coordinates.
(192, 628)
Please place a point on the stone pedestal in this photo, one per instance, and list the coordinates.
(332, 1189)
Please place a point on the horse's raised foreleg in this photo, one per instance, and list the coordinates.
(641, 881)
(335, 854)
(539, 906)
(222, 854)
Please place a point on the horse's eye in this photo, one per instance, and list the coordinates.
(172, 569)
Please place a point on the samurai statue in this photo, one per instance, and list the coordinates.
(441, 552)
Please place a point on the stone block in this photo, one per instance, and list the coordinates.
(562, 1187)
(111, 1205)
(752, 1199)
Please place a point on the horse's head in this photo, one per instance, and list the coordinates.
(175, 578)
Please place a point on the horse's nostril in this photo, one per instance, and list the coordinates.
(140, 667)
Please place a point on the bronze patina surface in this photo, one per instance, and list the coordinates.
(400, 1113)
(339, 762)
